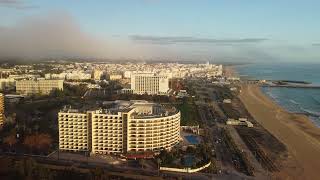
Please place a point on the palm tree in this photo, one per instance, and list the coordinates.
(142, 162)
(158, 162)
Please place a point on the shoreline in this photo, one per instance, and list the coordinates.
(296, 131)
(314, 122)
(231, 69)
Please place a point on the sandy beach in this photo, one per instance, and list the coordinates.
(297, 132)
(230, 71)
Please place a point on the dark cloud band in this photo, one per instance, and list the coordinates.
(16, 4)
(186, 39)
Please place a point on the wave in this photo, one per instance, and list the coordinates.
(310, 112)
(315, 99)
(274, 97)
(269, 93)
(294, 102)
(315, 120)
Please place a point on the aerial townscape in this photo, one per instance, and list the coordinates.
(133, 120)
(159, 90)
(135, 117)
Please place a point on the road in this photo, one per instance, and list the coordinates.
(212, 115)
(85, 164)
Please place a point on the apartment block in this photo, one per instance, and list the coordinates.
(8, 83)
(114, 77)
(41, 86)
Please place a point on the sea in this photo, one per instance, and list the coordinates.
(297, 100)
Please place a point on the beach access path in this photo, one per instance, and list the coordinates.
(297, 132)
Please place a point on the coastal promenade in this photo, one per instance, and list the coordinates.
(297, 132)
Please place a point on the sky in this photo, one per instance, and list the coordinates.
(219, 30)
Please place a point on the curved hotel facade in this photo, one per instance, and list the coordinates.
(123, 127)
(1, 109)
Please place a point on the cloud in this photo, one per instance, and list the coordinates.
(193, 40)
(16, 4)
(59, 35)
(54, 34)
(10, 2)
(316, 44)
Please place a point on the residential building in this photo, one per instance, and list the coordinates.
(122, 128)
(97, 74)
(8, 83)
(41, 86)
(126, 91)
(149, 83)
(239, 122)
(114, 77)
(23, 76)
(4, 72)
(78, 75)
(61, 76)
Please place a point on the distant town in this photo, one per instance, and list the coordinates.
(131, 120)
(159, 90)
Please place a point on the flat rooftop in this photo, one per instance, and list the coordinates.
(141, 109)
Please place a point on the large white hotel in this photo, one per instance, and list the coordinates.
(149, 83)
(122, 127)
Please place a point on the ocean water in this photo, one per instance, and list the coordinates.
(297, 100)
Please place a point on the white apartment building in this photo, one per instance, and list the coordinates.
(124, 127)
(41, 86)
(7, 83)
(23, 76)
(97, 74)
(149, 83)
(61, 76)
(127, 74)
(114, 77)
(78, 75)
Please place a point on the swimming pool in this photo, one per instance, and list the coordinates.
(189, 160)
(192, 139)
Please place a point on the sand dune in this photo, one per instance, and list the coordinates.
(297, 132)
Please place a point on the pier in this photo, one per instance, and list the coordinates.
(291, 86)
(283, 83)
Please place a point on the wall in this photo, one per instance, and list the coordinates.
(185, 170)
